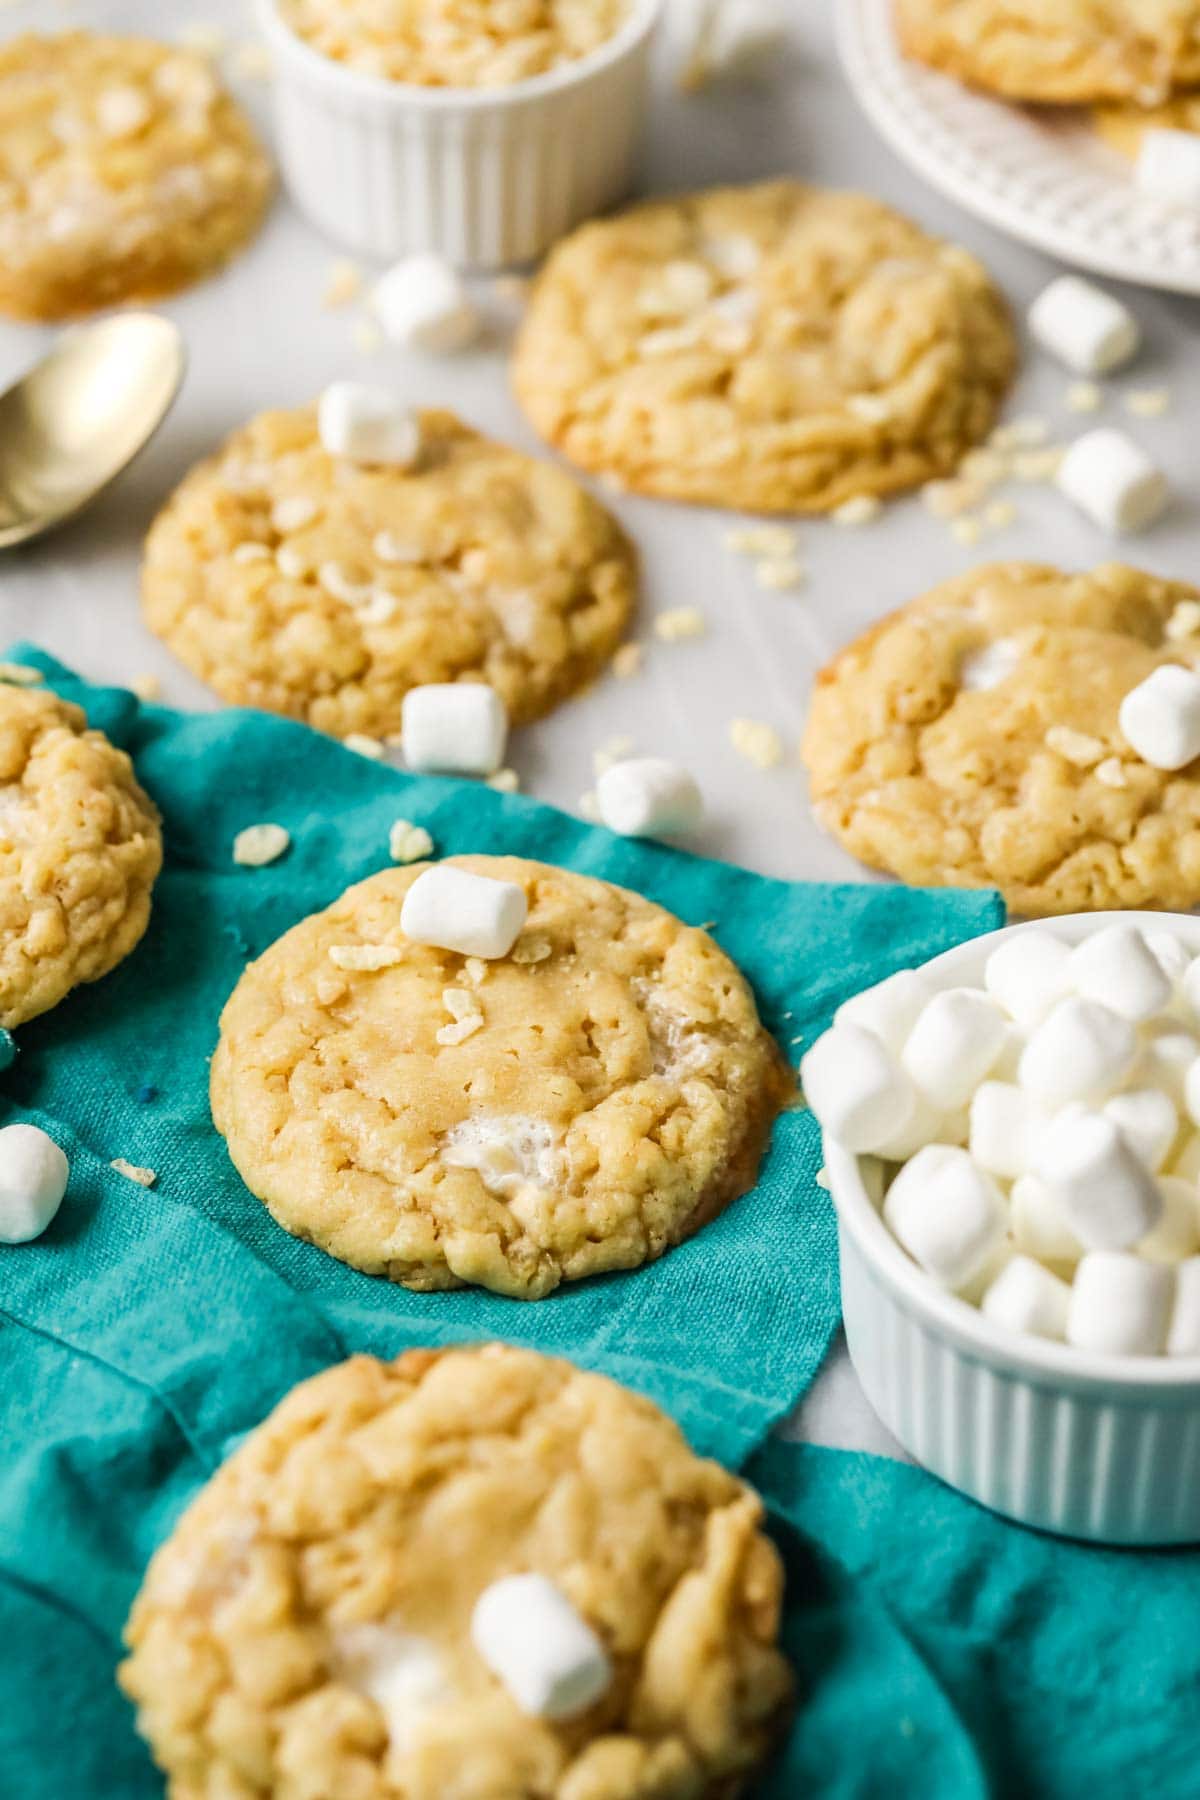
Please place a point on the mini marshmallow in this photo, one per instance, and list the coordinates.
(1164, 1062)
(404, 1675)
(889, 1009)
(1160, 717)
(925, 1126)
(947, 1213)
(860, 1096)
(1172, 954)
(1183, 1336)
(1191, 1092)
(1005, 1122)
(454, 909)
(1147, 1120)
(1190, 985)
(1119, 1305)
(1116, 966)
(1090, 331)
(1026, 1297)
(1027, 974)
(1177, 1234)
(1039, 1226)
(1168, 166)
(1080, 1051)
(1108, 1196)
(33, 1180)
(454, 728)
(647, 796)
(421, 303)
(953, 1045)
(533, 1640)
(1112, 479)
(368, 425)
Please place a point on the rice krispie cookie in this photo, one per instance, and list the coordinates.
(1058, 50)
(307, 1628)
(775, 348)
(1125, 126)
(126, 171)
(455, 43)
(971, 739)
(579, 1105)
(324, 589)
(79, 850)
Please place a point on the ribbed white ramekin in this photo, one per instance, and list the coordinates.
(1099, 1447)
(485, 177)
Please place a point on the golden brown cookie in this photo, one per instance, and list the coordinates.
(297, 581)
(1058, 50)
(305, 1631)
(456, 43)
(80, 847)
(971, 740)
(776, 348)
(1124, 126)
(126, 172)
(579, 1105)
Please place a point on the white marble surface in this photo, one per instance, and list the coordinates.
(258, 337)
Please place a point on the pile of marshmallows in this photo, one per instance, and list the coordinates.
(1046, 1125)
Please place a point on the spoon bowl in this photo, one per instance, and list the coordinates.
(77, 418)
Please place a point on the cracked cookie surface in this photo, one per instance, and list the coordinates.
(80, 848)
(1058, 50)
(774, 348)
(305, 584)
(371, 1509)
(456, 43)
(577, 1106)
(971, 739)
(126, 172)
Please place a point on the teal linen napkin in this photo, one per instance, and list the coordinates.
(149, 1327)
(945, 1654)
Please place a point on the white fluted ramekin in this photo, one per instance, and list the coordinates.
(486, 177)
(1105, 1448)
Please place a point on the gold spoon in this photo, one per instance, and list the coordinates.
(77, 418)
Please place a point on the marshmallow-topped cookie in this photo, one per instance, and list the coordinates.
(327, 560)
(497, 1072)
(1074, 50)
(992, 733)
(80, 847)
(126, 171)
(471, 1572)
(775, 348)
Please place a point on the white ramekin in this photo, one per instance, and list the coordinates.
(1105, 1448)
(485, 177)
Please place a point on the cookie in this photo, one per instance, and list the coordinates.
(456, 43)
(777, 348)
(579, 1105)
(126, 172)
(1124, 126)
(80, 847)
(1074, 50)
(971, 740)
(353, 1534)
(324, 589)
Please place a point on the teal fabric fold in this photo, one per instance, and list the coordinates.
(149, 1327)
(946, 1654)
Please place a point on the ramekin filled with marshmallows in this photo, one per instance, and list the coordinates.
(1012, 1140)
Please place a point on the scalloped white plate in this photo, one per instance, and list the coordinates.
(1043, 176)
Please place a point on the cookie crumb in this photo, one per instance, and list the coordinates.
(1184, 621)
(251, 62)
(1112, 772)
(774, 542)
(999, 514)
(759, 743)
(678, 623)
(780, 577)
(1148, 403)
(465, 1011)
(409, 843)
(258, 845)
(627, 660)
(367, 957)
(860, 510)
(1019, 434)
(362, 745)
(367, 336)
(532, 947)
(1084, 397)
(966, 531)
(20, 674)
(146, 687)
(613, 750)
(1075, 747)
(144, 1177)
(343, 283)
(504, 781)
(947, 499)
(330, 988)
(475, 969)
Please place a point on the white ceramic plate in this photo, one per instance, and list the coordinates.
(1043, 176)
